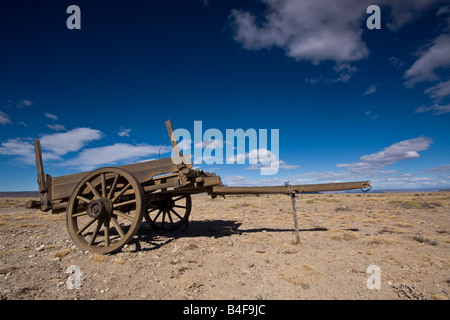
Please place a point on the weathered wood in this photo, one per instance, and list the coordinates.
(43, 180)
(173, 140)
(297, 234)
(223, 190)
(339, 186)
(63, 186)
(39, 167)
(171, 182)
(211, 181)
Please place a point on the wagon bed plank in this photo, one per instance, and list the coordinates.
(63, 186)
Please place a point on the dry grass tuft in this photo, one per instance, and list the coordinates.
(380, 240)
(303, 275)
(342, 235)
(100, 258)
(61, 254)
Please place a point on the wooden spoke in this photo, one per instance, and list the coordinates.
(94, 191)
(170, 218)
(163, 218)
(117, 226)
(79, 214)
(113, 186)
(175, 213)
(124, 203)
(94, 235)
(102, 177)
(175, 209)
(86, 226)
(106, 231)
(121, 192)
(123, 215)
(156, 218)
(85, 200)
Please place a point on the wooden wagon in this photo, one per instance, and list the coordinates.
(105, 207)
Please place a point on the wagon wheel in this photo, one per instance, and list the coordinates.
(105, 210)
(169, 213)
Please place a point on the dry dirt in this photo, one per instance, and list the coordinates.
(243, 247)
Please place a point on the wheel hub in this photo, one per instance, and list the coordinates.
(99, 208)
(164, 205)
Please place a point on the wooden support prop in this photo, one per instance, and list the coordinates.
(297, 235)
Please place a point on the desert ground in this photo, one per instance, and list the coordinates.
(243, 247)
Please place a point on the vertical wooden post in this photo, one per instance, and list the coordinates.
(39, 167)
(175, 148)
(297, 235)
(42, 180)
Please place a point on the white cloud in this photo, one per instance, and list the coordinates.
(70, 141)
(371, 115)
(53, 145)
(396, 62)
(435, 57)
(51, 116)
(57, 127)
(405, 11)
(285, 166)
(24, 103)
(23, 149)
(185, 145)
(372, 89)
(124, 132)
(369, 167)
(319, 30)
(236, 180)
(436, 108)
(444, 169)
(443, 10)
(344, 71)
(280, 164)
(211, 144)
(18, 147)
(261, 159)
(4, 118)
(312, 30)
(403, 150)
(439, 91)
(255, 156)
(89, 159)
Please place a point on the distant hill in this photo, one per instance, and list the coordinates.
(19, 194)
(374, 190)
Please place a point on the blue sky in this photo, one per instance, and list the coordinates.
(350, 103)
